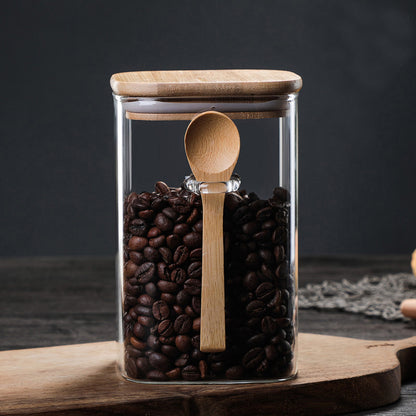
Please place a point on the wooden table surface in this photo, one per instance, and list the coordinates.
(70, 300)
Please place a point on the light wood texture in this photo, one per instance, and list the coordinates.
(207, 83)
(336, 375)
(212, 145)
(249, 115)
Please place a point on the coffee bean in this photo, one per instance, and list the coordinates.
(146, 214)
(157, 241)
(251, 281)
(167, 340)
(166, 254)
(163, 222)
(137, 243)
(190, 312)
(153, 343)
(170, 213)
(142, 310)
(181, 229)
(183, 324)
(131, 368)
(242, 215)
(283, 322)
(156, 375)
(195, 341)
(154, 232)
(268, 225)
(151, 254)
(255, 308)
(178, 276)
(162, 188)
(191, 373)
(180, 205)
(145, 321)
(279, 253)
(133, 352)
(167, 286)
(136, 343)
(252, 261)
(257, 340)
(232, 201)
(235, 373)
(183, 343)
(174, 374)
(250, 228)
(196, 304)
(173, 241)
(181, 255)
(170, 351)
(145, 300)
(265, 291)
(268, 325)
(196, 324)
(271, 352)
(157, 204)
(192, 240)
(130, 269)
(253, 358)
(267, 256)
(160, 310)
(163, 271)
(195, 270)
(198, 226)
(151, 290)
(146, 272)
(182, 361)
(142, 364)
(138, 227)
(136, 257)
(165, 328)
(203, 369)
(169, 298)
(139, 331)
(183, 298)
(196, 254)
(193, 286)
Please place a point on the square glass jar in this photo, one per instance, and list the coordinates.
(160, 226)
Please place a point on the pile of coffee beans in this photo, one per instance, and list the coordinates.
(162, 287)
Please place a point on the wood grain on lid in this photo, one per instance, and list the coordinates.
(207, 83)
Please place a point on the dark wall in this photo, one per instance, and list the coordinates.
(357, 133)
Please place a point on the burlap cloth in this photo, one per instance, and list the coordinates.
(378, 296)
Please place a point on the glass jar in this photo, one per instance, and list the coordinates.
(160, 226)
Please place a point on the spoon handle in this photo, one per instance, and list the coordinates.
(212, 297)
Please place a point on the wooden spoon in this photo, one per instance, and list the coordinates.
(212, 145)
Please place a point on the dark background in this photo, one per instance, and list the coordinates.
(357, 147)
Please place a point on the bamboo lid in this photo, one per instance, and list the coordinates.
(207, 83)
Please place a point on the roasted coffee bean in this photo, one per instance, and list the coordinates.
(142, 364)
(178, 276)
(181, 229)
(156, 375)
(181, 255)
(138, 344)
(142, 310)
(146, 214)
(179, 204)
(218, 367)
(163, 222)
(271, 352)
(174, 374)
(196, 254)
(173, 241)
(251, 281)
(281, 194)
(232, 201)
(163, 271)
(255, 308)
(252, 261)
(139, 331)
(268, 225)
(283, 322)
(165, 328)
(170, 213)
(196, 324)
(151, 290)
(183, 324)
(183, 343)
(191, 373)
(235, 373)
(162, 188)
(157, 204)
(193, 287)
(129, 301)
(146, 272)
(178, 309)
(268, 325)
(257, 340)
(196, 304)
(264, 214)
(157, 241)
(242, 215)
(183, 298)
(166, 254)
(195, 341)
(130, 289)
(198, 226)
(131, 368)
(167, 286)
(195, 270)
(154, 232)
(182, 361)
(190, 312)
(283, 347)
(279, 253)
(253, 358)
(169, 351)
(192, 240)
(265, 291)
(160, 310)
(250, 228)
(267, 272)
(151, 254)
(266, 256)
(145, 300)
(169, 298)
(136, 257)
(193, 217)
(130, 269)
(262, 236)
(153, 343)
(138, 227)
(167, 340)
(145, 321)
(137, 243)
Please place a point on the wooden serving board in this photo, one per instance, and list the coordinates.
(336, 375)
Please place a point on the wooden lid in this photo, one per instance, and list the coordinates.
(208, 83)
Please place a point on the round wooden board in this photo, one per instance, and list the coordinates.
(336, 375)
